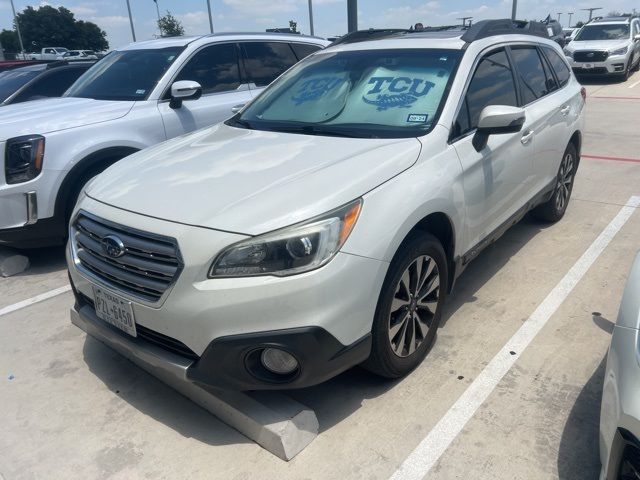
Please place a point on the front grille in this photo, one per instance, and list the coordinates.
(149, 266)
(590, 56)
(158, 339)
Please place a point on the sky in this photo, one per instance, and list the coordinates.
(330, 16)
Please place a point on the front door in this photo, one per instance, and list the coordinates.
(217, 69)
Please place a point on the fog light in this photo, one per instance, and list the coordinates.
(278, 361)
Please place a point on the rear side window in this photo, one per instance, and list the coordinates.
(266, 61)
(492, 84)
(559, 66)
(53, 84)
(531, 73)
(303, 50)
(215, 68)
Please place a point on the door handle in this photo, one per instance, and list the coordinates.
(527, 137)
(565, 110)
(237, 108)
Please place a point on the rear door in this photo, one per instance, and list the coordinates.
(496, 179)
(547, 111)
(264, 61)
(217, 69)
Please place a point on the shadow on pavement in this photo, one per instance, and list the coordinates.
(579, 456)
(44, 260)
(155, 399)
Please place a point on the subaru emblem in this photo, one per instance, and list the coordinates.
(112, 246)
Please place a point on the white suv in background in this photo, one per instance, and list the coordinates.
(324, 225)
(606, 46)
(135, 97)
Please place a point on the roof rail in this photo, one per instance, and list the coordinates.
(506, 26)
(371, 34)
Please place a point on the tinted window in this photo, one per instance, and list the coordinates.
(531, 74)
(265, 61)
(215, 68)
(492, 84)
(53, 84)
(125, 75)
(303, 50)
(559, 66)
(364, 93)
(12, 80)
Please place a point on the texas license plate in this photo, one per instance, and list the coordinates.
(587, 65)
(114, 310)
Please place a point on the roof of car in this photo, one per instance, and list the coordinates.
(186, 40)
(612, 20)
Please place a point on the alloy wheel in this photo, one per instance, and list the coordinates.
(414, 305)
(565, 180)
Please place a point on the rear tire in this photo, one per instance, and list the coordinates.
(409, 307)
(554, 209)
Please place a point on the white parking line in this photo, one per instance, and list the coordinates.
(429, 450)
(634, 84)
(36, 299)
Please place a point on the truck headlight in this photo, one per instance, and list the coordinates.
(291, 250)
(567, 52)
(23, 158)
(620, 51)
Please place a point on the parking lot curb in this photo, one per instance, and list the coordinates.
(11, 262)
(273, 420)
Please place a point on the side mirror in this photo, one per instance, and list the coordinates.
(184, 90)
(497, 120)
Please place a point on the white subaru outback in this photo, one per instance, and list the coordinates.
(323, 225)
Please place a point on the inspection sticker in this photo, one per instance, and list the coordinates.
(417, 118)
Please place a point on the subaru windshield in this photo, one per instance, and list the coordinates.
(364, 93)
(125, 75)
(603, 32)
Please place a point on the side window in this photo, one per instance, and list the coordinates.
(559, 66)
(491, 84)
(49, 50)
(303, 50)
(531, 74)
(52, 85)
(215, 68)
(265, 61)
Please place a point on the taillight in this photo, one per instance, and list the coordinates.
(583, 92)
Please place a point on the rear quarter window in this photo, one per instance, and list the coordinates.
(303, 50)
(559, 66)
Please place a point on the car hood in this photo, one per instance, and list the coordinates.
(577, 45)
(53, 114)
(250, 181)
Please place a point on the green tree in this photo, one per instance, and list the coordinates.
(170, 26)
(9, 41)
(56, 27)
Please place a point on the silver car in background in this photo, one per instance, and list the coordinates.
(620, 410)
(606, 46)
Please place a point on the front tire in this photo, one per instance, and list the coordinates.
(409, 308)
(554, 209)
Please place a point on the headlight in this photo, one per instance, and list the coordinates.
(292, 250)
(23, 158)
(567, 52)
(620, 51)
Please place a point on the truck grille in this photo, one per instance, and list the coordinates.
(590, 56)
(143, 265)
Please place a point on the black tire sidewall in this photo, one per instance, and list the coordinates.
(385, 361)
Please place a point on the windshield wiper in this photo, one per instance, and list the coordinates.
(238, 122)
(320, 130)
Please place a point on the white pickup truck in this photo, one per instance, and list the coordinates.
(48, 53)
(133, 98)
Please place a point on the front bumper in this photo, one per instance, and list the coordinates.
(227, 362)
(322, 317)
(613, 65)
(620, 410)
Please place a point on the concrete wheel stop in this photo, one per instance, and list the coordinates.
(273, 420)
(12, 262)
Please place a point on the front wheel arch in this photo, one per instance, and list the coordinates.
(90, 165)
